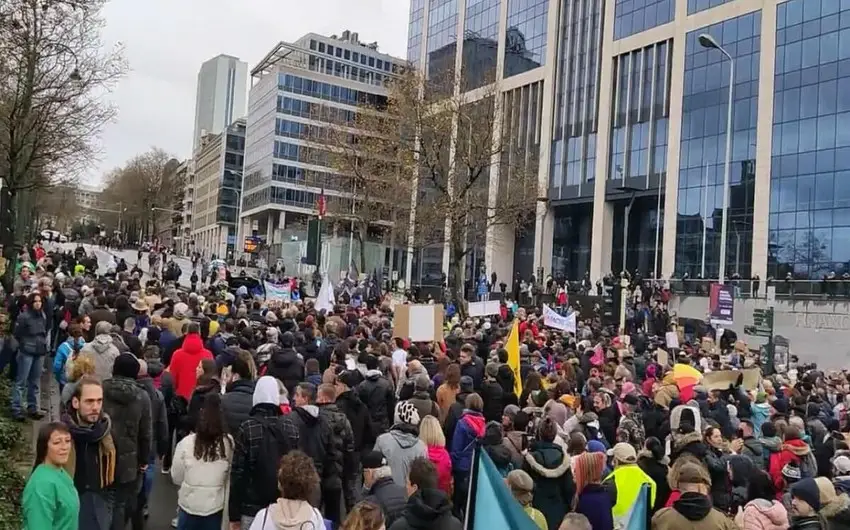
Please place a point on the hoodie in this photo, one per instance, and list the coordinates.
(762, 514)
(443, 462)
(400, 446)
(64, 352)
(185, 362)
(288, 514)
(793, 450)
(693, 511)
(103, 351)
(427, 509)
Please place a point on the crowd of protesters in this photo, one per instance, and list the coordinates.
(271, 417)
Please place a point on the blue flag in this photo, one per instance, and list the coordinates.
(495, 507)
(636, 519)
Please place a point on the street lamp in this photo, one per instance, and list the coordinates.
(707, 41)
(627, 213)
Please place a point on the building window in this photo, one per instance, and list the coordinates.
(347, 55)
(339, 52)
(371, 61)
(321, 47)
(703, 149)
(330, 49)
(525, 47)
(355, 57)
(695, 6)
(312, 44)
(631, 17)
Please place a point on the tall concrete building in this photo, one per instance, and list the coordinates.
(220, 100)
(216, 185)
(629, 112)
(299, 90)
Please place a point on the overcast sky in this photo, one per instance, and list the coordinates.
(167, 40)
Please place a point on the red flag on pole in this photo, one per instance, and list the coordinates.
(321, 204)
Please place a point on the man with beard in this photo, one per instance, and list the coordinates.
(93, 456)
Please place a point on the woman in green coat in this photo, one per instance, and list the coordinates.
(50, 499)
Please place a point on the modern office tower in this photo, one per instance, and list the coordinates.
(298, 91)
(628, 109)
(220, 100)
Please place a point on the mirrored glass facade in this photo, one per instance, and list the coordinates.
(810, 169)
(525, 42)
(695, 6)
(703, 149)
(480, 42)
(641, 97)
(441, 44)
(414, 32)
(634, 16)
(573, 158)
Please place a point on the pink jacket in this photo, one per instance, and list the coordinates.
(441, 459)
(761, 514)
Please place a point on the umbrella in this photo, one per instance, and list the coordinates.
(686, 378)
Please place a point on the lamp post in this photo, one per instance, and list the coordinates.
(707, 41)
(627, 214)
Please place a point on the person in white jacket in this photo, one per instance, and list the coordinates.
(201, 468)
(297, 480)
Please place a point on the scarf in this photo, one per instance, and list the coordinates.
(99, 433)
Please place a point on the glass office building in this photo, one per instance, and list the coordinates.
(633, 132)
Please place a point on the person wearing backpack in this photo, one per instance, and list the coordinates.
(69, 349)
(261, 441)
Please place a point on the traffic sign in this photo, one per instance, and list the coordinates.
(758, 331)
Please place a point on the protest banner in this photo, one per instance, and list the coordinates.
(721, 305)
(554, 320)
(277, 292)
(483, 309)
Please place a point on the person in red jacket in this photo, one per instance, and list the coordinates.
(185, 361)
(793, 450)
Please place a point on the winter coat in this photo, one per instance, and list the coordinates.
(516, 442)
(287, 514)
(549, 467)
(796, 451)
(427, 509)
(203, 485)
(345, 464)
(761, 514)
(101, 314)
(596, 502)
(358, 417)
(286, 367)
(443, 462)
(400, 446)
(237, 402)
(836, 513)
(760, 413)
(425, 406)
(453, 415)
(159, 416)
(310, 422)
(64, 352)
(445, 398)
(391, 497)
(376, 392)
(245, 500)
(469, 429)
(494, 400)
(657, 471)
(754, 450)
(185, 362)
(31, 331)
(694, 512)
(196, 404)
(129, 407)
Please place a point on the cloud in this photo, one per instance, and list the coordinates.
(167, 40)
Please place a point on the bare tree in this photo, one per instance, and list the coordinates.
(363, 153)
(449, 148)
(141, 191)
(58, 207)
(54, 72)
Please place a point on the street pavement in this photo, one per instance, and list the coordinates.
(130, 256)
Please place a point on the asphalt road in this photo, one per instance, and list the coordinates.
(130, 256)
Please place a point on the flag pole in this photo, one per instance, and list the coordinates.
(470, 492)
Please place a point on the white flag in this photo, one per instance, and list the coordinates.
(325, 300)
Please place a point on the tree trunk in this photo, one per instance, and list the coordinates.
(8, 225)
(361, 239)
(455, 263)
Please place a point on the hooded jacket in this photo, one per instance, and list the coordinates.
(203, 484)
(185, 361)
(443, 462)
(237, 402)
(755, 451)
(376, 392)
(762, 514)
(554, 487)
(692, 511)
(427, 509)
(345, 465)
(316, 440)
(129, 407)
(358, 417)
(836, 512)
(793, 450)
(103, 352)
(391, 497)
(469, 429)
(159, 416)
(64, 352)
(400, 446)
(454, 414)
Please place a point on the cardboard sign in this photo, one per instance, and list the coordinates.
(661, 357)
(707, 345)
(483, 309)
(721, 380)
(672, 339)
(419, 323)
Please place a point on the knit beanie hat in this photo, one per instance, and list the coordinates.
(126, 365)
(405, 412)
(588, 470)
(807, 490)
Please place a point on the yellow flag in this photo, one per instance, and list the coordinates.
(513, 356)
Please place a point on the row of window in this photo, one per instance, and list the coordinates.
(315, 133)
(634, 16)
(318, 89)
(301, 153)
(346, 71)
(304, 109)
(348, 55)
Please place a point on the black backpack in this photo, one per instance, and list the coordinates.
(273, 445)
